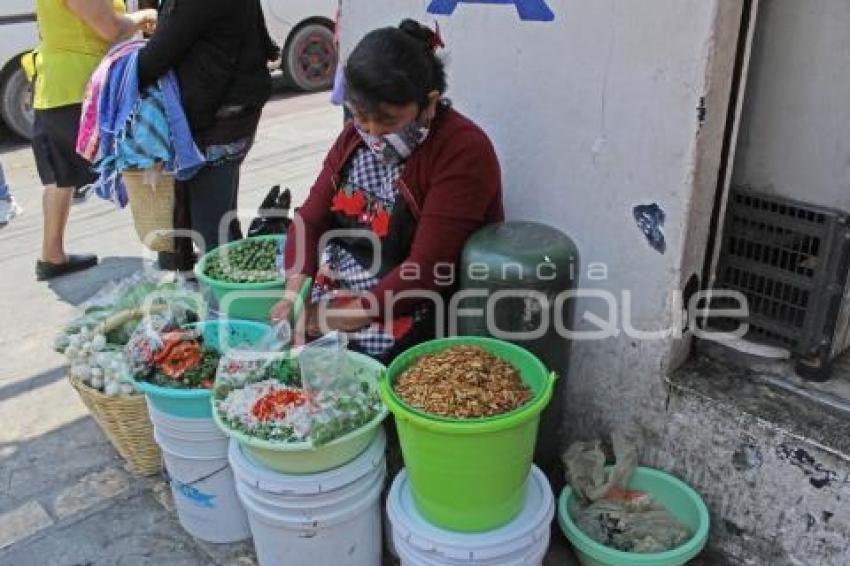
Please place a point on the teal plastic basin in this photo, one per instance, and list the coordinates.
(243, 301)
(195, 403)
(679, 498)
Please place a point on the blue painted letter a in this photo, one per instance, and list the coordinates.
(529, 10)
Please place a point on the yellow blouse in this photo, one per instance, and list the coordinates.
(68, 54)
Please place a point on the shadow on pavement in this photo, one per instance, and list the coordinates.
(58, 474)
(77, 287)
(41, 380)
(10, 141)
(85, 525)
(284, 94)
(40, 466)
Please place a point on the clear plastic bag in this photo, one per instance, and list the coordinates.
(136, 295)
(313, 394)
(325, 366)
(342, 398)
(586, 471)
(610, 513)
(164, 351)
(258, 392)
(642, 526)
(243, 366)
(94, 343)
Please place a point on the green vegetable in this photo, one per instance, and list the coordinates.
(248, 261)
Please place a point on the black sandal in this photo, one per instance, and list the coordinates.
(45, 270)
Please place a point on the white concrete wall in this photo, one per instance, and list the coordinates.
(795, 132)
(592, 114)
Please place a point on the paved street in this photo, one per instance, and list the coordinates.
(65, 497)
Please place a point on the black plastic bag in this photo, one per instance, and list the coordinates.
(273, 214)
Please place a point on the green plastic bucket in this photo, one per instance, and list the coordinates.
(303, 457)
(246, 301)
(679, 498)
(469, 475)
(195, 403)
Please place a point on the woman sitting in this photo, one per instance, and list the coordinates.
(409, 180)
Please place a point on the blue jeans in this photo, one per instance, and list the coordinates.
(4, 187)
(213, 194)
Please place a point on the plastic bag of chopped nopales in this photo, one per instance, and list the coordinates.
(311, 395)
(610, 513)
(344, 397)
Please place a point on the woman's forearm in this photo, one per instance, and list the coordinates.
(108, 24)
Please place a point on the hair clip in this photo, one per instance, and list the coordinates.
(437, 40)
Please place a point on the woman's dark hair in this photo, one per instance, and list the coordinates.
(394, 66)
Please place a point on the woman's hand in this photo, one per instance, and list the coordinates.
(144, 20)
(282, 311)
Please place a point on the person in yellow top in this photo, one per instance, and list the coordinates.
(75, 35)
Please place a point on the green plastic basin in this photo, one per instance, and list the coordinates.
(469, 475)
(679, 498)
(303, 457)
(195, 403)
(246, 301)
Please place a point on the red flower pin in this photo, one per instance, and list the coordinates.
(351, 205)
(381, 222)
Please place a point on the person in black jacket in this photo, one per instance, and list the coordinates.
(220, 51)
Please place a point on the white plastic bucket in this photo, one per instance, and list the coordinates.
(331, 518)
(200, 446)
(166, 421)
(199, 438)
(522, 542)
(201, 479)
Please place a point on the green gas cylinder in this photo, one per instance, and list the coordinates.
(515, 283)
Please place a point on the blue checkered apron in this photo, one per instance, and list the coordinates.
(379, 181)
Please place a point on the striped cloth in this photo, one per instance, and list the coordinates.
(146, 140)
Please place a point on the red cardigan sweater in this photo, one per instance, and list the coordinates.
(451, 182)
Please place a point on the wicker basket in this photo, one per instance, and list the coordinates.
(124, 419)
(152, 207)
(126, 423)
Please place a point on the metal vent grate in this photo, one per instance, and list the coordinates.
(786, 258)
(783, 302)
(794, 249)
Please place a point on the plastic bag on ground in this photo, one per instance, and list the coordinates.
(609, 512)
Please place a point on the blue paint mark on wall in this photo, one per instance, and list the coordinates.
(650, 219)
(529, 10)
